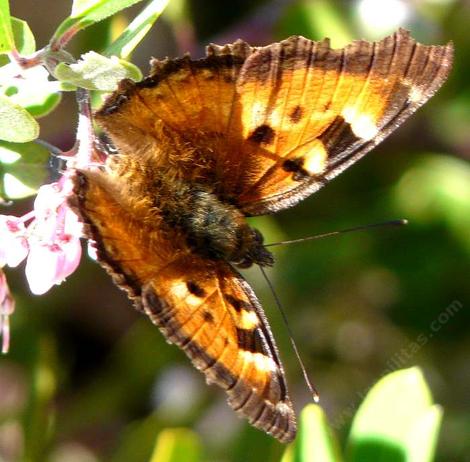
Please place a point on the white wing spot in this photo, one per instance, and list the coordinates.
(180, 290)
(248, 320)
(362, 125)
(315, 159)
(416, 94)
(262, 362)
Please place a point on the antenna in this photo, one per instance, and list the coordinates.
(312, 389)
(310, 386)
(400, 222)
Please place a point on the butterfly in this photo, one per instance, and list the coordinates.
(203, 144)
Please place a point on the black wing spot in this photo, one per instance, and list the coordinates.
(262, 134)
(208, 317)
(296, 167)
(296, 114)
(195, 289)
(246, 340)
(338, 137)
(153, 302)
(237, 304)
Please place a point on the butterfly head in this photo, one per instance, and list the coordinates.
(254, 252)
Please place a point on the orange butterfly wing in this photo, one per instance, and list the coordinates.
(202, 306)
(185, 113)
(326, 108)
(269, 126)
(261, 128)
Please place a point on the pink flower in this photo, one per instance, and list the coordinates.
(13, 243)
(50, 242)
(7, 306)
(54, 241)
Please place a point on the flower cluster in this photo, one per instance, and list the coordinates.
(48, 238)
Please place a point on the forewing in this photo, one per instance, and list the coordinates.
(265, 127)
(202, 306)
(313, 110)
(186, 112)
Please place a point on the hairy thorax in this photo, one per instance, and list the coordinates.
(212, 228)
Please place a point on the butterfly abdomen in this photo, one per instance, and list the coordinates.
(212, 228)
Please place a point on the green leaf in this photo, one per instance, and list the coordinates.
(65, 86)
(97, 72)
(80, 6)
(39, 100)
(136, 30)
(396, 421)
(32, 91)
(43, 104)
(315, 440)
(16, 123)
(23, 168)
(6, 34)
(88, 12)
(175, 445)
(425, 429)
(23, 37)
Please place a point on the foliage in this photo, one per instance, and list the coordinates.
(384, 428)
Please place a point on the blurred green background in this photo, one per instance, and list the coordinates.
(88, 379)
